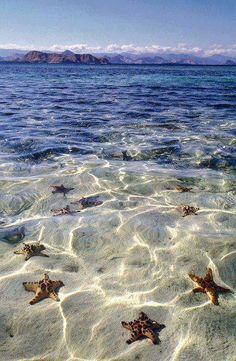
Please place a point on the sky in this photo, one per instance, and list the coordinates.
(198, 26)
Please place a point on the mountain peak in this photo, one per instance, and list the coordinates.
(67, 52)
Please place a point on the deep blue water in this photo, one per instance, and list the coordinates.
(180, 116)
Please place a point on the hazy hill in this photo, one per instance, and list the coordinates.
(66, 57)
(69, 56)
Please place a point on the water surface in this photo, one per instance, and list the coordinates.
(130, 135)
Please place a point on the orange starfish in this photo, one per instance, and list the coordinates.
(187, 210)
(63, 211)
(31, 249)
(182, 189)
(208, 286)
(142, 327)
(61, 189)
(43, 289)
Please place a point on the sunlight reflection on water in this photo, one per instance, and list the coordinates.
(133, 251)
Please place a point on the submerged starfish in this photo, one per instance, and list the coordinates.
(182, 189)
(43, 289)
(208, 286)
(187, 210)
(32, 249)
(61, 189)
(143, 327)
(63, 211)
(126, 156)
(88, 202)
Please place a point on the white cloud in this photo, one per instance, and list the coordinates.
(180, 48)
(219, 49)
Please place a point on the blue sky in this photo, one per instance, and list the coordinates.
(113, 25)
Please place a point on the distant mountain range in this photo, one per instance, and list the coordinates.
(69, 57)
(178, 59)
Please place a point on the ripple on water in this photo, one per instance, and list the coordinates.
(129, 135)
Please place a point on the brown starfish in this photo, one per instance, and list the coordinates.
(63, 211)
(182, 189)
(61, 189)
(208, 286)
(32, 249)
(187, 210)
(43, 289)
(88, 202)
(143, 327)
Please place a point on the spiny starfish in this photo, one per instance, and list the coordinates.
(63, 211)
(182, 189)
(43, 289)
(143, 327)
(32, 249)
(187, 210)
(61, 189)
(208, 286)
(88, 202)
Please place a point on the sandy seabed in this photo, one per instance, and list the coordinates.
(132, 253)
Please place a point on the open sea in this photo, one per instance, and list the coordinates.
(127, 135)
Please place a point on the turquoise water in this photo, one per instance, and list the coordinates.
(130, 135)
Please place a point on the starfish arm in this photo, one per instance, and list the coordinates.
(134, 337)
(18, 251)
(150, 334)
(39, 296)
(28, 255)
(57, 284)
(209, 275)
(31, 286)
(194, 278)
(213, 297)
(198, 289)
(43, 254)
(126, 325)
(222, 289)
(158, 327)
(54, 296)
(143, 316)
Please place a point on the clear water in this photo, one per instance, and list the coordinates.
(71, 125)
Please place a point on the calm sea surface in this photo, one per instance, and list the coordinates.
(129, 135)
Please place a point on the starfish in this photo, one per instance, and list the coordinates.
(143, 327)
(43, 289)
(63, 211)
(88, 202)
(32, 249)
(61, 189)
(208, 286)
(182, 189)
(126, 156)
(187, 210)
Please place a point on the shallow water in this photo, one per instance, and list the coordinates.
(130, 135)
